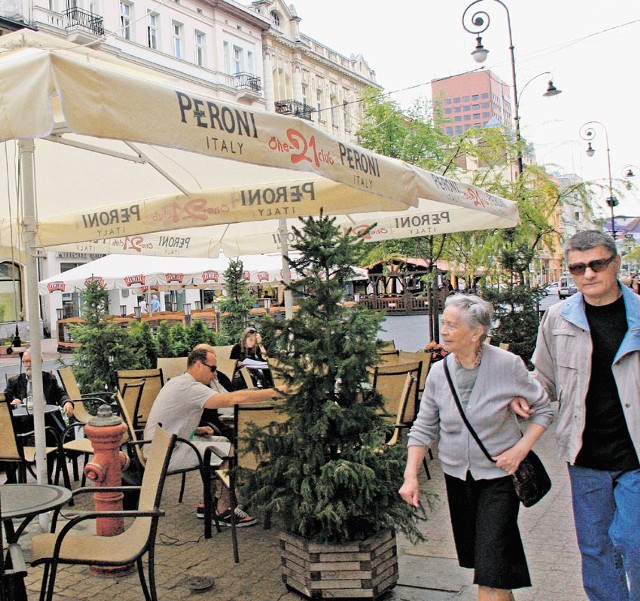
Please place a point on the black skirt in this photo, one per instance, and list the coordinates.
(484, 517)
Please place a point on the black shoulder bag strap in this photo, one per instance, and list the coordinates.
(464, 417)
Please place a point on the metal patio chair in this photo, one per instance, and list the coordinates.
(67, 547)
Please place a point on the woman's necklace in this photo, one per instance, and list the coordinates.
(477, 360)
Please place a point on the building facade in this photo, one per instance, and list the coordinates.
(252, 54)
(475, 99)
(309, 79)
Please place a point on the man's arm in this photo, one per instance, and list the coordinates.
(242, 397)
(544, 369)
(543, 359)
(55, 394)
(12, 391)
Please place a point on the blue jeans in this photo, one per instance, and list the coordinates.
(606, 509)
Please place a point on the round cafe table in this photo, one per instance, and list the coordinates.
(22, 411)
(26, 501)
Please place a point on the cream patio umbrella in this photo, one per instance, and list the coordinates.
(96, 148)
(126, 272)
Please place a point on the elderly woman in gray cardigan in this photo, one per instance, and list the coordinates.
(482, 501)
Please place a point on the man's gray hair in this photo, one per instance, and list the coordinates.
(587, 240)
(476, 312)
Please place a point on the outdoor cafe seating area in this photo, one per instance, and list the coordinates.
(399, 377)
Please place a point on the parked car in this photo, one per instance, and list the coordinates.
(551, 288)
(566, 287)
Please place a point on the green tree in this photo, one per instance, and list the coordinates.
(199, 333)
(330, 477)
(179, 340)
(484, 157)
(163, 340)
(104, 346)
(143, 344)
(237, 302)
(406, 135)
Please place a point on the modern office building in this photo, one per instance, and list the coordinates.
(475, 99)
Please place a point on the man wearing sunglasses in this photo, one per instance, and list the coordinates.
(179, 406)
(588, 358)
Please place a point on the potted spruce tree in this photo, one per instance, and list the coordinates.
(330, 477)
(237, 303)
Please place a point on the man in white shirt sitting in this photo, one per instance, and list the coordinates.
(179, 406)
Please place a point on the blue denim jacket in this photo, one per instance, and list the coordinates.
(563, 365)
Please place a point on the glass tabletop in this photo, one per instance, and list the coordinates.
(22, 411)
(23, 500)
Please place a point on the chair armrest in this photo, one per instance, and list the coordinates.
(89, 490)
(91, 515)
(104, 396)
(207, 453)
(53, 431)
(70, 428)
(211, 450)
(94, 489)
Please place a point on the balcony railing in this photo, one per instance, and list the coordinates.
(248, 81)
(77, 18)
(295, 108)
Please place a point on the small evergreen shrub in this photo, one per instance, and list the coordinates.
(330, 475)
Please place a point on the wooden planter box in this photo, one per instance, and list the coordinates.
(360, 570)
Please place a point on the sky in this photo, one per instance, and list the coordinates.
(592, 48)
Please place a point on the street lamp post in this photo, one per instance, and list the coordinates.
(588, 133)
(627, 172)
(477, 24)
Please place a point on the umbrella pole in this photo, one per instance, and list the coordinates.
(27, 152)
(286, 270)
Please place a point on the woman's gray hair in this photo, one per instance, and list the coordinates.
(476, 312)
(589, 239)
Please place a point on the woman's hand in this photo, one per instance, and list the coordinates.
(68, 408)
(16, 402)
(510, 460)
(410, 490)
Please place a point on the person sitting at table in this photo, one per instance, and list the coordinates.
(179, 407)
(221, 418)
(20, 387)
(248, 350)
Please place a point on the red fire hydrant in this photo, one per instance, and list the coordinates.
(105, 432)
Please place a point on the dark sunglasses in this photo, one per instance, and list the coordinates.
(252, 331)
(213, 368)
(596, 265)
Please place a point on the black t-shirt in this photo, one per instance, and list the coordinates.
(606, 444)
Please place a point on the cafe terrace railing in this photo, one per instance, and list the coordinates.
(401, 304)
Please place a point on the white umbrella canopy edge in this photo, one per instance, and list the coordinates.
(81, 93)
(122, 272)
(265, 237)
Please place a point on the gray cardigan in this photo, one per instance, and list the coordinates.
(501, 377)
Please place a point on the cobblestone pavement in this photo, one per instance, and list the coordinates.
(428, 571)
